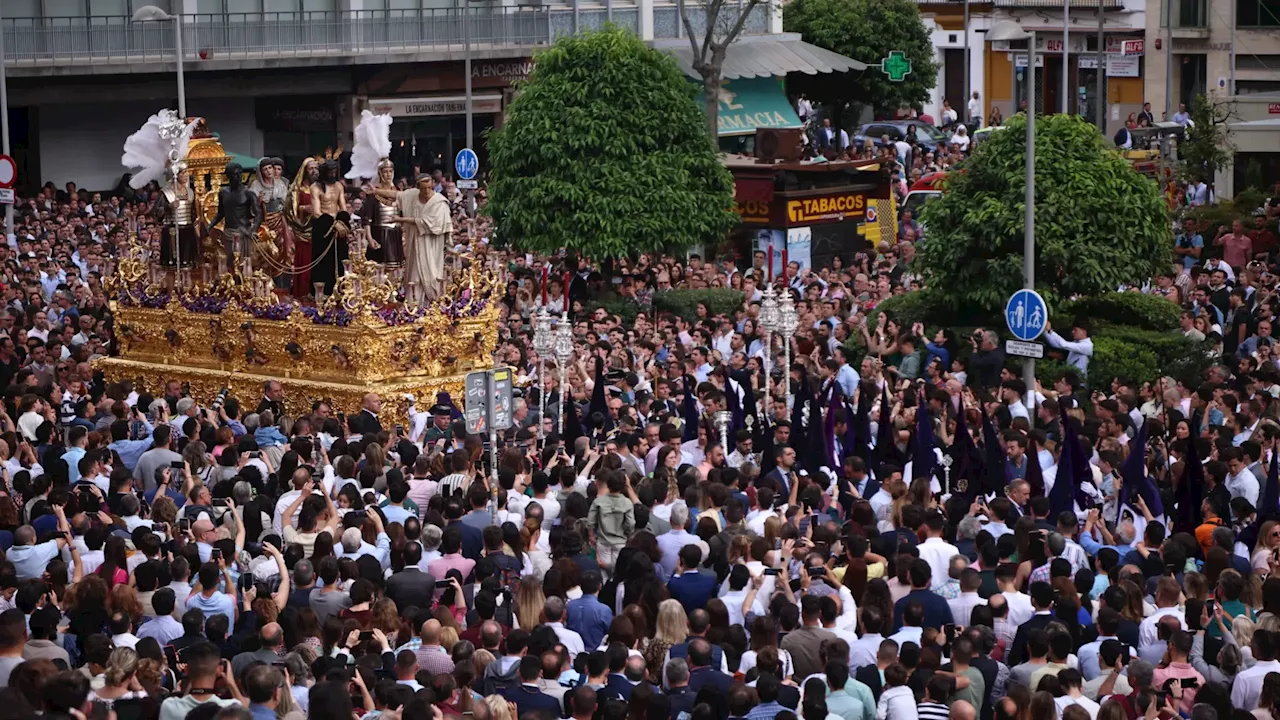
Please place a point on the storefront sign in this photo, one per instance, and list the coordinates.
(748, 104)
(800, 247)
(297, 114)
(1123, 66)
(826, 208)
(506, 70)
(429, 106)
(1273, 109)
(1121, 46)
(755, 212)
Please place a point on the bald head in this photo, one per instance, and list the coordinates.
(431, 632)
(272, 635)
(25, 535)
(962, 710)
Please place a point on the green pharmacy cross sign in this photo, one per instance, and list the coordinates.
(897, 66)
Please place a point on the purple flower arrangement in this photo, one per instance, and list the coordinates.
(464, 307)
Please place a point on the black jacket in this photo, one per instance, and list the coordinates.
(411, 587)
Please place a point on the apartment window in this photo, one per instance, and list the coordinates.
(1258, 13)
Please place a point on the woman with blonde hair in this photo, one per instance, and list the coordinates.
(672, 629)
(529, 601)
(119, 678)
(500, 708)
(1268, 541)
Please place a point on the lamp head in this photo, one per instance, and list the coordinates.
(150, 13)
(1008, 30)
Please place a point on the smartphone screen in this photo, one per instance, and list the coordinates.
(772, 571)
(440, 584)
(215, 555)
(177, 465)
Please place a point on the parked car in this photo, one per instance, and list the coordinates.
(928, 136)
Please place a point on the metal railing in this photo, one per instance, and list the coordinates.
(117, 39)
(1057, 4)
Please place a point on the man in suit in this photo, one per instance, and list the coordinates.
(784, 472)
(701, 671)
(411, 587)
(692, 588)
(873, 675)
(272, 392)
(619, 684)
(1042, 599)
(367, 420)
(528, 697)
(678, 688)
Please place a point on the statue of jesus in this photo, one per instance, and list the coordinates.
(428, 228)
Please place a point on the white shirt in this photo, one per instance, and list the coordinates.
(572, 641)
(938, 553)
(1020, 607)
(1244, 485)
(128, 640)
(1078, 352)
(907, 634)
(1147, 629)
(1067, 701)
(863, 652)
(550, 511)
(962, 607)
(670, 544)
(1248, 685)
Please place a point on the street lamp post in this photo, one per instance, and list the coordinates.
(151, 13)
(1010, 30)
(4, 128)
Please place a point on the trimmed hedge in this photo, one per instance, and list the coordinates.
(685, 302)
(1150, 312)
(626, 309)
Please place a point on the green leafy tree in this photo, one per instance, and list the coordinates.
(865, 30)
(605, 151)
(1206, 149)
(1099, 224)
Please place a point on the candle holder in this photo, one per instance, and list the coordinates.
(722, 419)
(788, 321)
(564, 352)
(544, 343)
(767, 321)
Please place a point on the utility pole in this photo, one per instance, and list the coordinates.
(1066, 56)
(1168, 60)
(4, 128)
(1029, 216)
(967, 90)
(1102, 72)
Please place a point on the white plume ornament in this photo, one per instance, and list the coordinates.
(372, 144)
(161, 141)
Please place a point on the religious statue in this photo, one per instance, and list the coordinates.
(369, 159)
(297, 214)
(239, 212)
(178, 206)
(428, 228)
(159, 150)
(273, 192)
(329, 225)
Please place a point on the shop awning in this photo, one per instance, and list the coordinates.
(750, 103)
(767, 56)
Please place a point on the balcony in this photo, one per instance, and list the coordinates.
(362, 36)
(1057, 4)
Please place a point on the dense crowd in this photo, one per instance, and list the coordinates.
(891, 527)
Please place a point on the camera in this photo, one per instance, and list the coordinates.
(220, 398)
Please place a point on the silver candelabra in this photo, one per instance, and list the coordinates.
(563, 351)
(788, 321)
(544, 343)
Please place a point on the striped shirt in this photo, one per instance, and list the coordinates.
(932, 711)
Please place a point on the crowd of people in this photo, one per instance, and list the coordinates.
(891, 527)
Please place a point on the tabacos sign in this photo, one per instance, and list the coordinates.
(826, 208)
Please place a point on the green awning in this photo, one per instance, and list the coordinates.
(750, 103)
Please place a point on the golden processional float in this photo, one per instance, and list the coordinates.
(217, 329)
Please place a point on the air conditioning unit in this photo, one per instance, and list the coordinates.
(779, 144)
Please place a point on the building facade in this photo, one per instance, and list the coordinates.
(283, 77)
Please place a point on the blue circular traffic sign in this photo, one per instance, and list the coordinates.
(1026, 315)
(467, 164)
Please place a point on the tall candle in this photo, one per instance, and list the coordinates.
(545, 270)
(784, 265)
(769, 261)
(565, 293)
